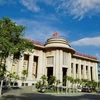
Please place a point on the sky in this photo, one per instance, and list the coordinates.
(76, 20)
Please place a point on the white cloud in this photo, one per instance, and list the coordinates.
(95, 41)
(97, 55)
(76, 8)
(38, 30)
(30, 5)
(80, 8)
(2, 2)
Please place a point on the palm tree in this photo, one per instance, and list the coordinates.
(65, 80)
(99, 84)
(77, 81)
(44, 79)
(24, 73)
(52, 80)
(13, 76)
(38, 84)
(57, 83)
(85, 82)
(70, 79)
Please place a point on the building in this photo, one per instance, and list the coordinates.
(56, 57)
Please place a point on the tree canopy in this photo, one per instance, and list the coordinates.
(12, 40)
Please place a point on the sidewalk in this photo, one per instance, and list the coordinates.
(71, 94)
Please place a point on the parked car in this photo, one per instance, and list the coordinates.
(86, 89)
(79, 89)
(98, 90)
(41, 90)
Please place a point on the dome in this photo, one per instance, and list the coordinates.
(58, 43)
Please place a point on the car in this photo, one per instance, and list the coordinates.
(86, 89)
(98, 90)
(42, 90)
(79, 89)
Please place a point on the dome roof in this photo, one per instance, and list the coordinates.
(58, 43)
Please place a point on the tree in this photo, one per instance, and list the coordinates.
(65, 80)
(44, 79)
(12, 77)
(24, 73)
(12, 42)
(52, 80)
(57, 82)
(38, 84)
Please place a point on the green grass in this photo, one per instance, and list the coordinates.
(50, 91)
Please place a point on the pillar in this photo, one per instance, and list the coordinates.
(74, 68)
(57, 62)
(69, 64)
(69, 67)
(60, 67)
(20, 67)
(9, 63)
(79, 69)
(84, 69)
(40, 65)
(44, 64)
(30, 69)
(89, 73)
(96, 72)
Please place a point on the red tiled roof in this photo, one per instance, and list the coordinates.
(85, 55)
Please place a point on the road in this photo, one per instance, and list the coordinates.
(30, 95)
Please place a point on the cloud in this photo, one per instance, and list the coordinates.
(30, 5)
(38, 30)
(2, 2)
(95, 41)
(80, 8)
(76, 8)
(98, 55)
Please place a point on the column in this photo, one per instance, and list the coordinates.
(93, 71)
(20, 67)
(57, 62)
(96, 73)
(30, 69)
(44, 64)
(54, 67)
(84, 70)
(69, 64)
(69, 67)
(79, 69)
(60, 67)
(89, 73)
(40, 65)
(74, 68)
(9, 63)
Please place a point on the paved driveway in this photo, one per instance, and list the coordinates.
(30, 95)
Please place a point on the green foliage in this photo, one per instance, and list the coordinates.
(44, 80)
(12, 40)
(51, 80)
(24, 73)
(57, 82)
(3, 72)
(38, 84)
(13, 76)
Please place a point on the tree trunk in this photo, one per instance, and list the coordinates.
(1, 87)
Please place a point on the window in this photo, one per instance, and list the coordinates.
(50, 60)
